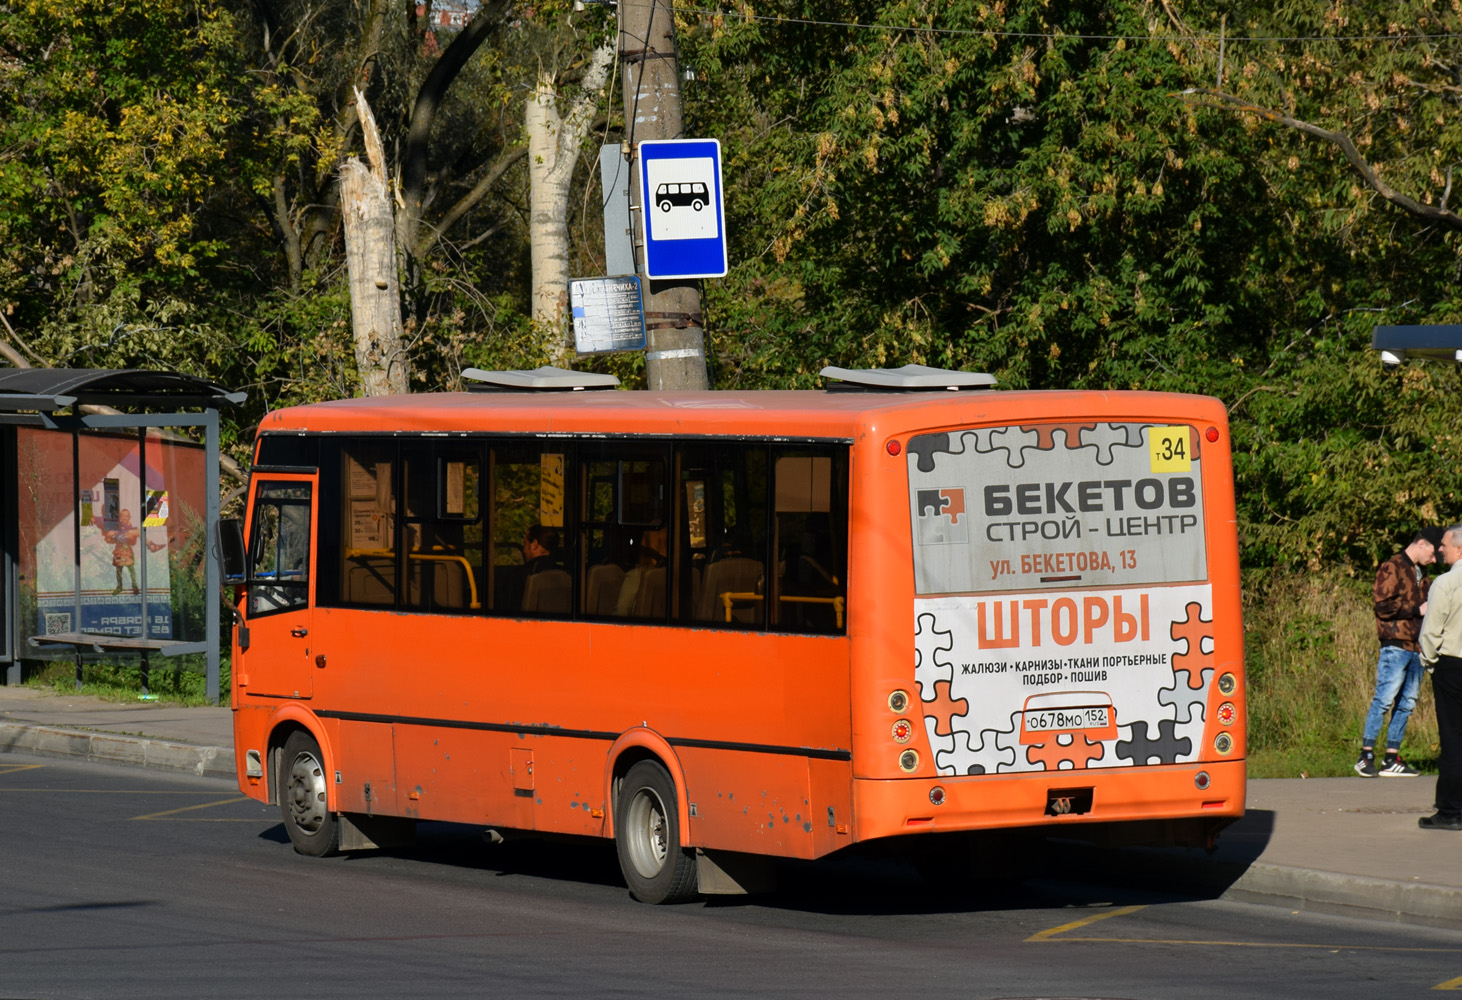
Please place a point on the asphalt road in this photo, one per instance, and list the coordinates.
(124, 883)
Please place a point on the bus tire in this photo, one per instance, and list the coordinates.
(647, 837)
(312, 827)
(665, 206)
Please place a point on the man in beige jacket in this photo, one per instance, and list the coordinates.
(1441, 652)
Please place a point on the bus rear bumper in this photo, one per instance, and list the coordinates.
(1150, 804)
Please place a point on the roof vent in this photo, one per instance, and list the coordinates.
(545, 379)
(909, 378)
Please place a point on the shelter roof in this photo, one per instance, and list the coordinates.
(50, 389)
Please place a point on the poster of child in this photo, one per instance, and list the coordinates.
(122, 537)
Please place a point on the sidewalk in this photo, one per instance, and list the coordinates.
(1336, 845)
(162, 737)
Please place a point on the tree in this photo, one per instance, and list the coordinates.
(568, 91)
(370, 254)
(121, 123)
(1027, 190)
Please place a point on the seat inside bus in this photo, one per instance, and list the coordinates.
(603, 588)
(550, 591)
(736, 575)
(370, 580)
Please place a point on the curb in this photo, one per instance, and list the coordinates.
(110, 748)
(1364, 897)
(1417, 903)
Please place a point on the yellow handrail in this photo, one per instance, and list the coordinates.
(727, 597)
(429, 557)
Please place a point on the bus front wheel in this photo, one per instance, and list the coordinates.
(647, 837)
(312, 827)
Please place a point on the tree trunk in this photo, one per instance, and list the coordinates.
(370, 256)
(554, 141)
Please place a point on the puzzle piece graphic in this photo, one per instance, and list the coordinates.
(1166, 747)
(930, 642)
(1107, 437)
(941, 516)
(1072, 433)
(988, 758)
(1196, 661)
(1078, 754)
(925, 447)
(941, 709)
(1012, 440)
(1182, 696)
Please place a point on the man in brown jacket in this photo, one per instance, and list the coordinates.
(1400, 601)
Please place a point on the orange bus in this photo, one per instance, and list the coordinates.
(726, 627)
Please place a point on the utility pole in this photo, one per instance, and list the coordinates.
(675, 352)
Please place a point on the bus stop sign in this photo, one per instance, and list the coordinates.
(685, 216)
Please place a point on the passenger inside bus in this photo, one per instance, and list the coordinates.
(540, 584)
(642, 594)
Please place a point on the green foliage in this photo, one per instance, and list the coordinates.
(1061, 211)
(1048, 190)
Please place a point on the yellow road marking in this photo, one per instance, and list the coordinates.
(1450, 984)
(201, 805)
(1263, 944)
(12, 768)
(1049, 933)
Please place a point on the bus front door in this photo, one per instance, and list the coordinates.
(280, 660)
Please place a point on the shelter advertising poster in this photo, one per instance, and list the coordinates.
(120, 571)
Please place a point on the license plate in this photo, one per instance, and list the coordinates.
(1048, 720)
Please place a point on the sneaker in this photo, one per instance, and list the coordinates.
(1395, 767)
(1440, 822)
(1366, 767)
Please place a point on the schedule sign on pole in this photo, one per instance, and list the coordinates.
(608, 314)
(685, 216)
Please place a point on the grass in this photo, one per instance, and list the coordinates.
(178, 680)
(1310, 649)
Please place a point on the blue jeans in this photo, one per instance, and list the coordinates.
(1398, 679)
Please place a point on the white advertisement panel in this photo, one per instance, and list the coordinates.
(1063, 618)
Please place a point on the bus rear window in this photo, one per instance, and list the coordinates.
(1041, 506)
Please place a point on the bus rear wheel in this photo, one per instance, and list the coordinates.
(303, 798)
(647, 837)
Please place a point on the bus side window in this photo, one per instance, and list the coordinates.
(280, 548)
(624, 533)
(364, 531)
(529, 511)
(442, 527)
(721, 540)
(811, 540)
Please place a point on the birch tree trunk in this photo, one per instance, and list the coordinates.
(554, 141)
(370, 257)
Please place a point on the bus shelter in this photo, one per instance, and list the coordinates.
(1435, 342)
(110, 482)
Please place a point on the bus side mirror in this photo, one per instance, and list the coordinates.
(231, 550)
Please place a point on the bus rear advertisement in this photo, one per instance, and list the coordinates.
(906, 612)
(1064, 618)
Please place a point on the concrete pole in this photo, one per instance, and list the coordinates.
(675, 352)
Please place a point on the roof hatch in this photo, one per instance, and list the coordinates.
(909, 378)
(545, 379)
